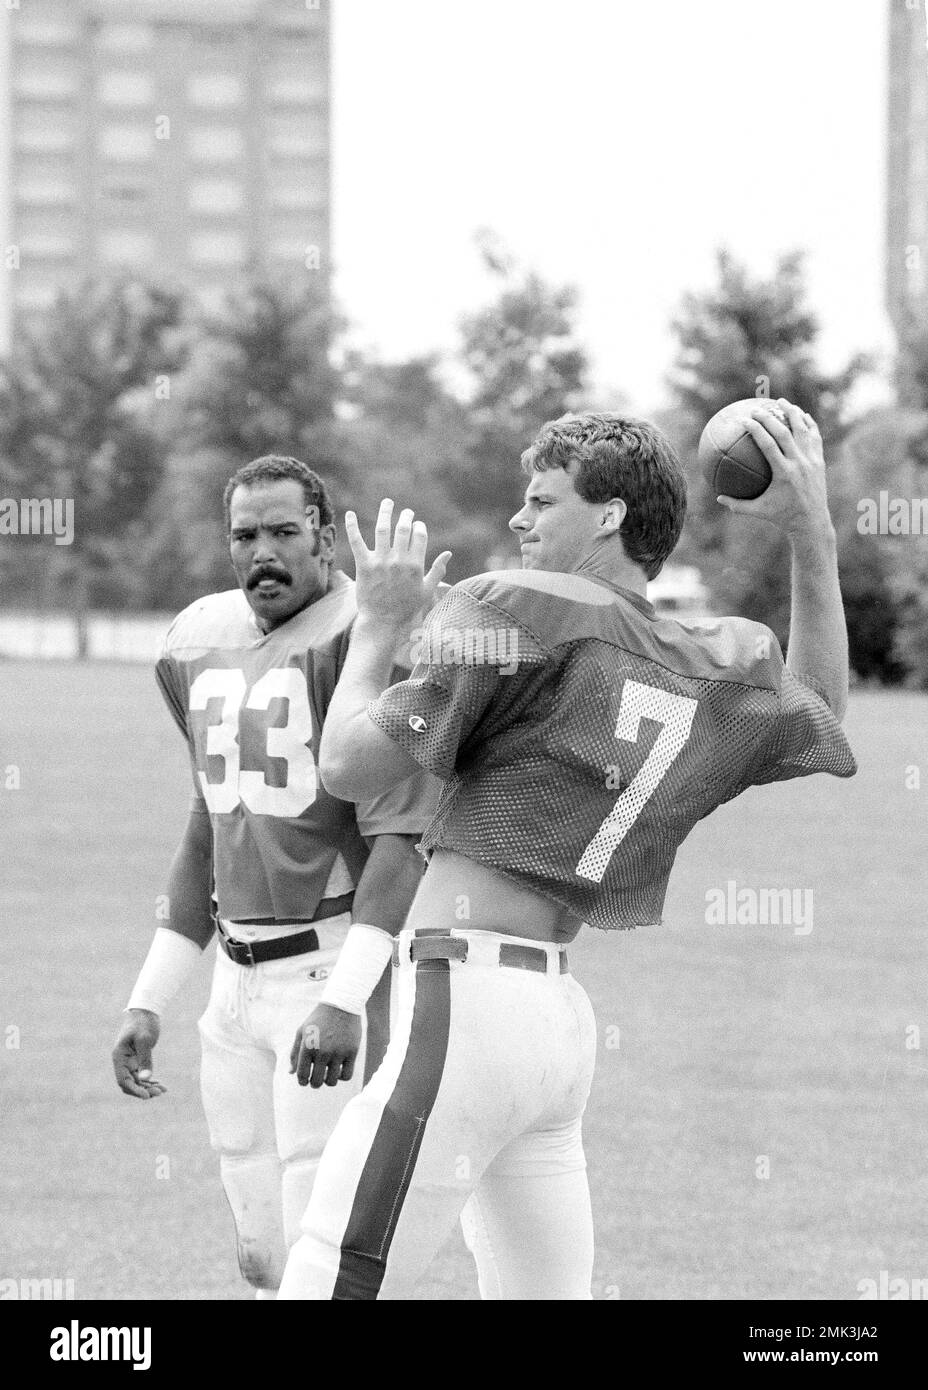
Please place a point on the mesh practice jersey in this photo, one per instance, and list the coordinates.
(581, 737)
(251, 706)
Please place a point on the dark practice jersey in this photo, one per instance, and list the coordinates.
(581, 737)
(251, 706)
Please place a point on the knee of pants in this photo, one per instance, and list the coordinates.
(253, 1188)
(237, 1095)
(299, 1174)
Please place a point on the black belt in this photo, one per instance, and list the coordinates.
(511, 953)
(279, 947)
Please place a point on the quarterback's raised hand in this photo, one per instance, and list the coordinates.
(392, 585)
(796, 499)
(326, 1047)
(135, 1042)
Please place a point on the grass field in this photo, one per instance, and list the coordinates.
(735, 1043)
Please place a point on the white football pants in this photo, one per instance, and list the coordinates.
(268, 1130)
(478, 1103)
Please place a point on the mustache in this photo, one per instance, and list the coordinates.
(268, 572)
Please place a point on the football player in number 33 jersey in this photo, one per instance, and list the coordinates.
(580, 737)
(270, 859)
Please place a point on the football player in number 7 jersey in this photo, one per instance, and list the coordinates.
(270, 859)
(580, 737)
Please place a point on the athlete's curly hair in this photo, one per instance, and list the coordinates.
(271, 468)
(620, 456)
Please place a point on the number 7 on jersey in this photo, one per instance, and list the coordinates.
(675, 713)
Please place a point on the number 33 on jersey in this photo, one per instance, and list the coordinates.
(291, 742)
(251, 706)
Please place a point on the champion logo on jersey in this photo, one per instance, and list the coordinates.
(417, 724)
(320, 972)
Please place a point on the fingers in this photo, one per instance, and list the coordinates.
(316, 1066)
(772, 437)
(409, 541)
(418, 542)
(353, 531)
(382, 527)
(437, 573)
(295, 1051)
(303, 1052)
(799, 420)
(739, 505)
(312, 1063)
(152, 1088)
(133, 1079)
(795, 417)
(347, 1068)
(404, 532)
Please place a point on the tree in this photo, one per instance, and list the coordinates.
(884, 577)
(751, 336)
(524, 366)
(407, 437)
(259, 379)
(79, 420)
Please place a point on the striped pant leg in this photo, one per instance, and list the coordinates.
(364, 1186)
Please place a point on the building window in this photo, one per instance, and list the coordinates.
(290, 248)
(217, 248)
(122, 246)
(217, 144)
(215, 89)
(294, 90)
(30, 297)
(126, 143)
(47, 32)
(46, 192)
(47, 246)
(213, 35)
(216, 196)
(45, 84)
(44, 139)
(296, 197)
(125, 89)
(124, 38)
(126, 193)
(295, 138)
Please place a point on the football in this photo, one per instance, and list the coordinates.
(731, 462)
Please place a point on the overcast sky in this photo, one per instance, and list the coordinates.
(612, 145)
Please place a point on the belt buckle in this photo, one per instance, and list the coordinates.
(241, 952)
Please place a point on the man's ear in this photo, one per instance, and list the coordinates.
(613, 514)
(327, 541)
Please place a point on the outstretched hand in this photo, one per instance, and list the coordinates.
(392, 585)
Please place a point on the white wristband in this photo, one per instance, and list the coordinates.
(167, 965)
(361, 962)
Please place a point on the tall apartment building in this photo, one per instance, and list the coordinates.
(186, 140)
(907, 164)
